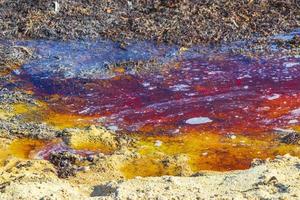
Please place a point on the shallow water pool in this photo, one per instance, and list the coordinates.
(220, 108)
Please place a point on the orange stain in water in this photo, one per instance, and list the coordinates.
(62, 120)
(22, 148)
(205, 151)
(42, 113)
(282, 105)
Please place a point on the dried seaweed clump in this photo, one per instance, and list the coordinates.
(182, 22)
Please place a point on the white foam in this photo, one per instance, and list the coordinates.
(273, 97)
(146, 84)
(293, 121)
(113, 128)
(158, 143)
(296, 112)
(180, 87)
(291, 64)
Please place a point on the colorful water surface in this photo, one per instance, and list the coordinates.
(222, 93)
(221, 109)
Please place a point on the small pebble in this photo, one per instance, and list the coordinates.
(232, 137)
(90, 158)
(158, 143)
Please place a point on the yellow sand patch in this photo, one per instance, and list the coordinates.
(4, 114)
(93, 139)
(21, 108)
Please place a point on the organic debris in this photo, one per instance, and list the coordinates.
(182, 22)
(12, 57)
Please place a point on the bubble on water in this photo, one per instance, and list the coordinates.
(291, 64)
(17, 72)
(231, 136)
(273, 97)
(296, 112)
(293, 121)
(113, 128)
(158, 143)
(146, 84)
(198, 120)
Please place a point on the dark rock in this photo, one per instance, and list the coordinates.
(291, 138)
(64, 163)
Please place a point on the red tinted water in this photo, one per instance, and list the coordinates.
(234, 93)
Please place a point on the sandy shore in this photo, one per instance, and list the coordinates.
(271, 179)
